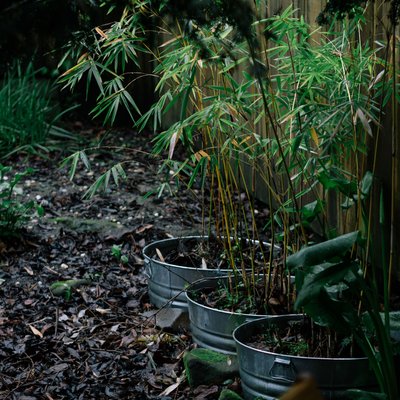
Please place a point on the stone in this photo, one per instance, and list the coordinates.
(107, 230)
(207, 367)
(174, 319)
(227, 394)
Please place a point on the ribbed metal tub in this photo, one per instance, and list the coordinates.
(167, 282)
(267, 375)
(212, 328)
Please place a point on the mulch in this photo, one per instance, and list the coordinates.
(96, 344)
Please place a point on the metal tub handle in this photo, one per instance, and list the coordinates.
(147, 267)
(283, 370)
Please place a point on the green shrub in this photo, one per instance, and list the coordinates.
(13, 212)
(27, 114)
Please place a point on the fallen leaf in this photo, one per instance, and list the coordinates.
(73, 353)
(56, 368)
(126, 341)
(173, 387)
(46, 327)
(160, 256)
(63, 317)
(29, 270)
(203, 392)
(36, 332)
(133, 303)
(103, 311)
(138, 260)
(274, 301)
(144, 228)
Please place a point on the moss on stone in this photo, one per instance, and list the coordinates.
(204, 367)
(228, 394)
(211, 356)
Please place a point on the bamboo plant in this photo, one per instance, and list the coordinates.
(299, 107)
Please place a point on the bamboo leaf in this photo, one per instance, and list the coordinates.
(314, 136)
(172, 142)
(73, 159)
(84, 158)
(361, 116)
(115, 175)
(201, 154)
(100, 32)
(97, 76)
(36, 331)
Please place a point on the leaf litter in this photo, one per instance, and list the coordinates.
(88, 337)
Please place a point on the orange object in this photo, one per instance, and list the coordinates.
(304, 389)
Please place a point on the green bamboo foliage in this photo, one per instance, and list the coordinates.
(315, 96)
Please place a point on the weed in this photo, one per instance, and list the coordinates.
(13, 212)
(116, 251)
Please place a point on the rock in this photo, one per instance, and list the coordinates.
(174, 319)
(227, 394)
(206, 367)
(107, 230)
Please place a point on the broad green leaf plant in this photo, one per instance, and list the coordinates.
(329, 283)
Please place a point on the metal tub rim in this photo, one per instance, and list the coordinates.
(185, 238)
(212, 309)
(166, 241)
(267, 320)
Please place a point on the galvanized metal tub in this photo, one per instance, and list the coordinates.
(167, 282)
(267, 375)
(212, 328)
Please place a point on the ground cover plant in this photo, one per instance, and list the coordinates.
(14, 210)
(28, 113)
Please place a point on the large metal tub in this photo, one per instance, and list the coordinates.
(267, 375)
(212, 328)
(167, 282)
